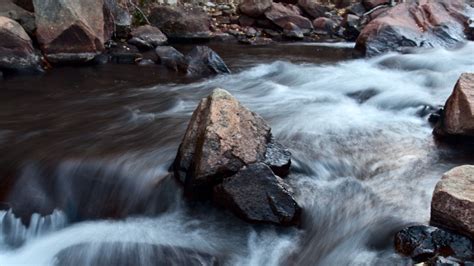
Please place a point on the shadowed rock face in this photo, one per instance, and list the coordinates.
(181, 23)
(426, 23)
(203, 61)
(125, 254)
(458, 117)
(16, 48)
(282, 16)
(255, 194)
(147, 37)
(452, 206)
(70, 31)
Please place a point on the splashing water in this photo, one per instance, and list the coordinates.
(365, 163)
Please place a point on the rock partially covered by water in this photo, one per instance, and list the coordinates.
(147, 37)
(428, 244)
(171, 58)
(254, 8)
(257, 195)
(70, 30)
(424, 23)
(16, 49)
(181, 22)
(458, 115)
(125, 254)
(203, 61)
(228, 146)
(452, 206)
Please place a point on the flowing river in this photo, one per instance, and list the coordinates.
(364, 159)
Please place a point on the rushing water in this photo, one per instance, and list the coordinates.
(98, 142)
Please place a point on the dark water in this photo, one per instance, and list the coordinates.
(97, 142)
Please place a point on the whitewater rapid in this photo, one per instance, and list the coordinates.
(365, 163)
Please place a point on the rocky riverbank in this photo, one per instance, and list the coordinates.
(39, 35)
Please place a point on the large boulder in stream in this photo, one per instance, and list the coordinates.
(70, 30)
(147, 37)
(129, 253)
(423, 23)
(16, 49)
(452, 206)
(458, 115)
(183, 23)
(223, 142)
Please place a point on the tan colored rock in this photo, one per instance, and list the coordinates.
(16, 48)
(222, 137)
(452, 206)
(70, 30)
(458, 117)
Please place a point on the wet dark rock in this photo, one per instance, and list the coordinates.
(181, 23)
(256, 195)
(147, 37)
(254, 8)
(203, 61)
(313, 8)
(282, 15)
(251, 32)
(129, 253)
(16, 48)
(363, 95)
(118, 20)
(470, 30)
(452, 206)
(424, 243)
(267, 24)
(70, 31)
(369, 4)
(426, 23)
(352, 27)
(171, 58)
(325, 25)
(124, 54)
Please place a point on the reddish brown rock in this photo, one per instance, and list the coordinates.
(222, 137)
(452, 206)
(282, 16)
(369, 4)
(458, 116)
(16, 48)
(10, 9)
(424, 23)
(181, 22)
(254, 8)
(69, 30)
(325, 25)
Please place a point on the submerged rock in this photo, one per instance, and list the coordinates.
(70, 31)
(254, 8)
(125, 254)
(181, 23)
(147, 37)
(16, 48)
(228, 153)
(452, 206)
(255, 194)
(458, 115)
(171, 58)
(124, 53)
(424, 23)
(426, 244)
(203, 61)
